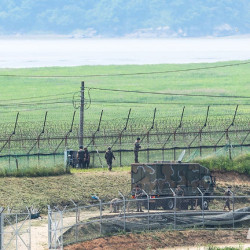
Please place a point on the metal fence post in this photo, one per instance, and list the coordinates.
(233, 207)
(174, 195)
(77, 219)
(49, 227)
(100, 216)
(175, 212)
(124, 211)
(147, 204)
(120, 150)
(61, 230)
(202, 205)
(1, 229)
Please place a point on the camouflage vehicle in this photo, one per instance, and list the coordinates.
(160, 179)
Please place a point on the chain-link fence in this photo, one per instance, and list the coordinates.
(15, 230)
(128, 214)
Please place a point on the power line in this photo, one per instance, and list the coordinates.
(37, 97)
(129, 74)
(168, 103)
(171, 94)
(34, 104)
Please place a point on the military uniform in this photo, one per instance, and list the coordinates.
(227, 203)
(109, 156)
(179, 192)
(80, 158)
(136, 150)
(115, 205)
(138, 196)
(86, 158)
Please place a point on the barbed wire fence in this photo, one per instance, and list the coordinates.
(44, 142)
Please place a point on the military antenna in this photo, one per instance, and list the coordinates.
(181, 156)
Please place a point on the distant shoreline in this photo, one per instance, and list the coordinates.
(74, 37)
(28, 52)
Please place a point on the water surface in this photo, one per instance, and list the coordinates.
(19, 53)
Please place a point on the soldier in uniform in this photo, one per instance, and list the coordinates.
(228, 194)
(136, 149)
(138, 196)
(86, 158)
(109, 156)
(115, 205)
(179, 192)
(80, 157)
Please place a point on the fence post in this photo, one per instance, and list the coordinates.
(174, 207)
(1, 229)
(174, 146)
(93, 146)
(100, 216)
(49, 226)
(124, 211)
(120, 150)
(148, 147)
(147, 204)
(202, 206)
(233, 207)
(61, 229)
(77, 219)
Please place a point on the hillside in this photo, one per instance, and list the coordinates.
(141, 18)
(79, 186)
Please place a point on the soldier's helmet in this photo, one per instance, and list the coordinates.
(109, 148)
(81, 147)
(138, 139)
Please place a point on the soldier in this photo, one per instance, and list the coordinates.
(109, 156)
(138, 196)
(136, 149)
(179, 192)
(86, 158)
(80, 157)
(115, 205)
(228, 194)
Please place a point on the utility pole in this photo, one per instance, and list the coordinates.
(81, 116)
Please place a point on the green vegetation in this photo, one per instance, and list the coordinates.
(239, 164)
(119, 18)
(57, 93)
(227, 248)
(33, 171)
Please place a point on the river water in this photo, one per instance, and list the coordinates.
(22, 53)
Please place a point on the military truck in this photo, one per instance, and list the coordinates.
(160, 180)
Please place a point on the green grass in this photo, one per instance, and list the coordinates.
(219, 81)
(54, 190)
(240, 247)
(33, 171)
(239, 164)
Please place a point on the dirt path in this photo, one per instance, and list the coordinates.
(166, 240)
(39, 231)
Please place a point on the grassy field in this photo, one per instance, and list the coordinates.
(55, 94)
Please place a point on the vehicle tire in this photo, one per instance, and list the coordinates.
(168, 204)
(205, 205)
